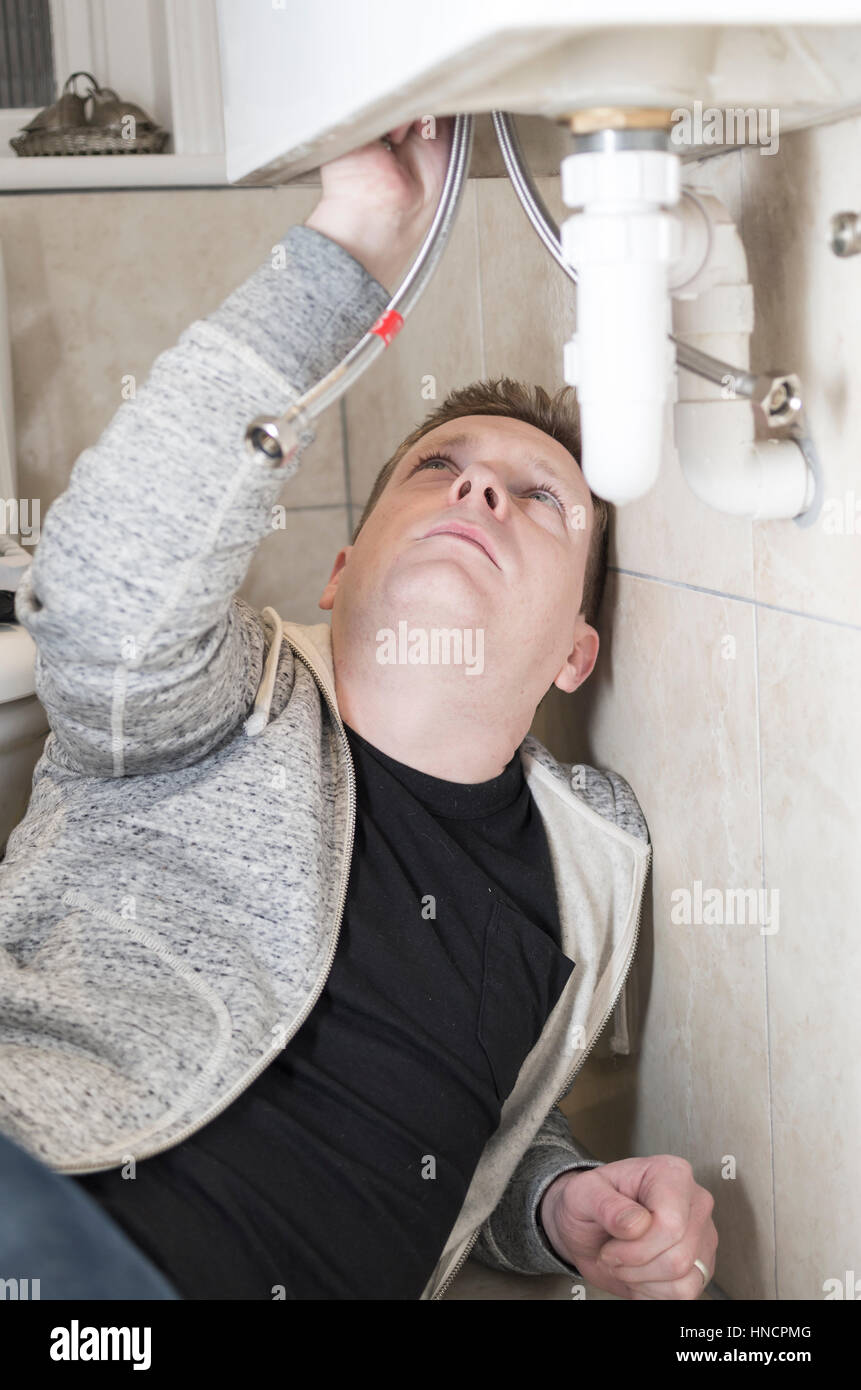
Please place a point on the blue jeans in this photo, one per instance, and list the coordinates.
(53, 1231)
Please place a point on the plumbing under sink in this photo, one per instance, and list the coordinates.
(548, 58)
(637, 99)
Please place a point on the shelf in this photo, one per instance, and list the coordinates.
(64, 173)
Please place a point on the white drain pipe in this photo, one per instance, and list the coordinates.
(647, 266)
(623, 244)
(724, 465)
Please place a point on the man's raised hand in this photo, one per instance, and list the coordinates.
(378, 203)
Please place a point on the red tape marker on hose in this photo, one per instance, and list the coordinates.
(387, 326)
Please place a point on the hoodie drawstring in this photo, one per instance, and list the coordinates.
(259, 717)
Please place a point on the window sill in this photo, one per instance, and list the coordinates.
(35, 173)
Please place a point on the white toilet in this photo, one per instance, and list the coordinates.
(23, 723)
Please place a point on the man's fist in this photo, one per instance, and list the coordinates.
(378, 204)
(584, 1212)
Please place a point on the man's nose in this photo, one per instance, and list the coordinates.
(483, 485)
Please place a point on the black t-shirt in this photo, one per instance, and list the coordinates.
(340, 1171)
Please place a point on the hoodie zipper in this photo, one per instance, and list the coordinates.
(566, 1087)
(259, 1067)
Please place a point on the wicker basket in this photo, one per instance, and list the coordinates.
(51, 133)
(84, 140)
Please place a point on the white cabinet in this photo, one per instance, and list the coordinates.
(305, 82)
(264, 91)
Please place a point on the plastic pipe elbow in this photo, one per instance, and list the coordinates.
(760, 479)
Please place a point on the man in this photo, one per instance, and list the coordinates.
(302, 943)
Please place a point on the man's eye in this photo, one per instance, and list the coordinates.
(423, 463)
(547, 492)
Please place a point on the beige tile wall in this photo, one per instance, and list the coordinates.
(748, 766)
(99, 284)
(746, 758)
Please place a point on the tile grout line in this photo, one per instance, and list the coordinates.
(481, 347)
(764, 876)
(735, 598)
(764, 880)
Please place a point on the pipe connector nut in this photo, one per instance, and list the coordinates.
(777, 398)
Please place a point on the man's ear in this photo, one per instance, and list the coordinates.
(581, 658)
(327, 598)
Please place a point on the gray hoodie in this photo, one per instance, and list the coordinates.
(170, 904)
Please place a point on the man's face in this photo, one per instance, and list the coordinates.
(525, 500)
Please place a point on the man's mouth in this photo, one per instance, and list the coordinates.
(465, 533)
